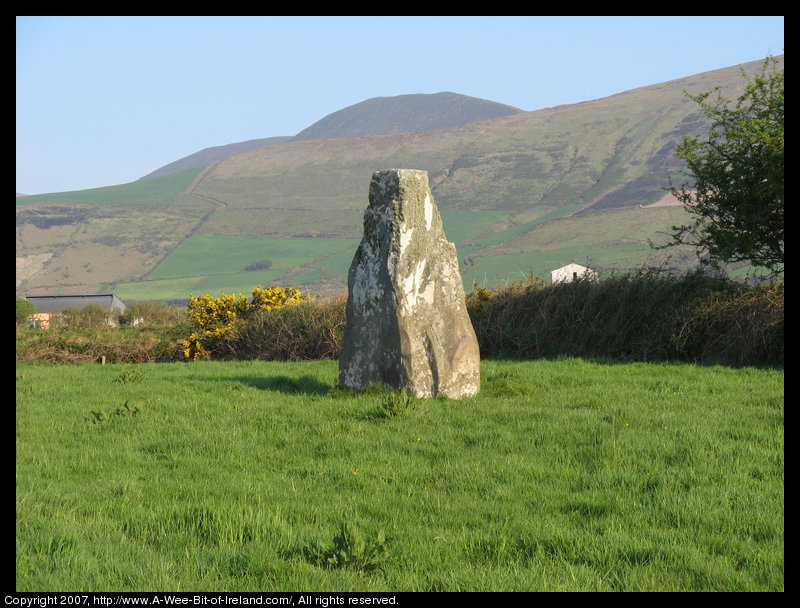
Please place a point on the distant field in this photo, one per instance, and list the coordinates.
(601, 230)
(211, 263)
(467, 226)
(182, 288)
(615, 240)
(214, 264)
(209, 254)
(511, 266)
(510, 233)
(565, 475)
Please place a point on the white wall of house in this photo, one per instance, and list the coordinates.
(571, 272)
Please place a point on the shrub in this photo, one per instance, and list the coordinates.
(117, 345)
(213, 319)
(644, 316)
(155, 312)
(277, 297)
(24, 310)
(743, 327)
(308, 330)
(259, 265)
(90, 316)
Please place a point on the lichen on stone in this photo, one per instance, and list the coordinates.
(407, 322)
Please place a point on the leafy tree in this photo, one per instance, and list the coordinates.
(24, 309)
(735, 195)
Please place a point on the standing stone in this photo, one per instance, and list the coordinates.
(407, 321)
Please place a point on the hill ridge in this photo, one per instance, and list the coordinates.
(410, 113)
(213, 154)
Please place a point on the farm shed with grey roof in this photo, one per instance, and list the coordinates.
(50, 303)
(47, 305)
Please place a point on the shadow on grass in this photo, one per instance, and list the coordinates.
(304, 385)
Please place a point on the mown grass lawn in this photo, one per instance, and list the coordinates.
(565, 475)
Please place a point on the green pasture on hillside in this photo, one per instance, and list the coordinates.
(205, 254)
(215, 263)
(509, 233)
(506, 267)
(182, 288)
(462, 226)
(157, 191)
(561, 475)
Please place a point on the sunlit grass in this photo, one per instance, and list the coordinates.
(560, 475)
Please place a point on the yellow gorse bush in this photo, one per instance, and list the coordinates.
(208, 313)
(277, 297)
(478, 298)
(213, 318)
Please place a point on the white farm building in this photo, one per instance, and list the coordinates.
(571, 272)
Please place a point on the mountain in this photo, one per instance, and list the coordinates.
(523, 193)
(377, 116)
(405, 114)
(213, 154)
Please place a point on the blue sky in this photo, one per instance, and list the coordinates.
(105, 100)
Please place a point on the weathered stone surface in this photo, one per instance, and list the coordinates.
(407, 321)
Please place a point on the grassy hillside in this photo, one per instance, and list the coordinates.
(78, 242)
(377, 116)
(524, 193)
(211, 263)
(157, 192)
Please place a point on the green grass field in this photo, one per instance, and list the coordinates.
(182, 288)
(209, 254)
(217, 264)
(565, 475)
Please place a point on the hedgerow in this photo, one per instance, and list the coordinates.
(642, 316)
